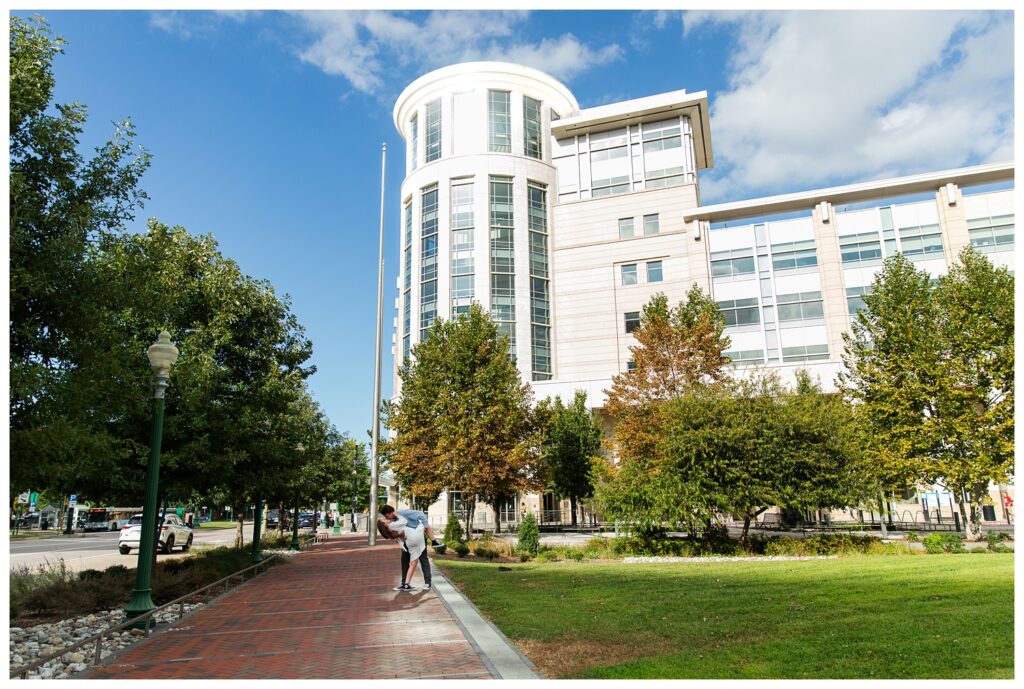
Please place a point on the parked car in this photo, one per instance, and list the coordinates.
(174, 532)
(29, 520)
(306, 520)
(273, 519)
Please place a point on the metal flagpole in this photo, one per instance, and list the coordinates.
(372, 507)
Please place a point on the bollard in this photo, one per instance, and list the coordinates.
(956, 522)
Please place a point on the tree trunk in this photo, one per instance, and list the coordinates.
(978, 494)
(572, 505)
(280, 519)
(881, 515)
(239, 511)
(746, 528)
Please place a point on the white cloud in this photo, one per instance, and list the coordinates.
(363, 46)
(192, 24)
(826, 97)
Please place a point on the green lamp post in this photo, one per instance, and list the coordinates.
(257, 556)
(299, 448)
(162, 355)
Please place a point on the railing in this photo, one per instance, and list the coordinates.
(98, 638)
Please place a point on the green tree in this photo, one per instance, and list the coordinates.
(678, 349)
(463, 421)
(60, 203)
(572, 439)
(529, 536)
(930, 373)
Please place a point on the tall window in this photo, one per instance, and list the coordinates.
(625, 228)
(631, 320)
(415, 123)
(499, 122)
(609, 162)
(462, 246)
(433, 115)
(531, 128)
(629, 276)
(428, 259)
(855, 298)
(651, 224)
(663, 154)
(654, 273)
(407, 284)
(540, 300)
(503, 268)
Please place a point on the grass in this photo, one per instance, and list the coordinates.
(937, 616)
(218, 525)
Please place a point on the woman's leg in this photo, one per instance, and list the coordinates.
(412, 570)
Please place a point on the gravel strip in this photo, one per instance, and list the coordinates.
(43, 639)
(772, 558)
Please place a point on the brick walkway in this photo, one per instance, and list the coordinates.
(328, 614)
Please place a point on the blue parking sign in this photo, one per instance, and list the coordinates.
(74, 499)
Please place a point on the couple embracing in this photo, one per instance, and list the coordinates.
(411, 529)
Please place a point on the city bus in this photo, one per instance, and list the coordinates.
(108, 518)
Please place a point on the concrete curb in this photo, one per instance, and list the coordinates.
(499, 654)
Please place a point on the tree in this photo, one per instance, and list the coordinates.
(741, 448)
(930, 373)
(572, 439)
(678, 349)
(60, 204)
(463, 420)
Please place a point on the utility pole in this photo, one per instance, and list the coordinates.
(374, 460)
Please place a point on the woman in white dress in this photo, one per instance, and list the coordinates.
(412, 537)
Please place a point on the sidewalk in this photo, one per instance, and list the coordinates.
(329, 614)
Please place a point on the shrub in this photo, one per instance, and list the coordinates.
(994, 538)
(547, 556)
(453, 530)
(913, 537)
(943, 543)
(87, 574)
(486, 553)
(461, 549)
(440, 549)
(529, 535)
(25, 580)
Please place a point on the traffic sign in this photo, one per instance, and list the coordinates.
(74, 499)
(23, 497)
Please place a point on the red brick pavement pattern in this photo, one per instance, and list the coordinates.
(330, 613)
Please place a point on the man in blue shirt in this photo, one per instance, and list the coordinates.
(414, 518)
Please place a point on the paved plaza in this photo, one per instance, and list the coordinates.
(330, 613)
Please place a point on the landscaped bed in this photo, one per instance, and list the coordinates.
(906, 616)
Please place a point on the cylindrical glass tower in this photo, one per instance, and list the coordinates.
(475, 203)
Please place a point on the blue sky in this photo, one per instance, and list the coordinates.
(265, 127)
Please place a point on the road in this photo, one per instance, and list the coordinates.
(99, 550)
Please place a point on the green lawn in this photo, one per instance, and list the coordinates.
(920, 616)
(218, 525)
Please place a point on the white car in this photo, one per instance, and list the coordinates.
(173, 532)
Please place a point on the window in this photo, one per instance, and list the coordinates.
(654, 271)
(629, 276)
(503, 292)
(991, 234)
(632, 319)
(805, 353)
(663, 154)
(428, 258)
(922, 241)
(540, 299)
(740, 312)
(407, 282)
(793, 255)
(499, 122)
(433, 115)
(630, 365)
(531, 127)
(747, 356)
(804, 306)
(651, 225)
(731, 263)
(414, 122)
(857, 248)
(625, 228)
(462, 259)
(855, 298)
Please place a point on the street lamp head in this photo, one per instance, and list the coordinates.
(162, 355)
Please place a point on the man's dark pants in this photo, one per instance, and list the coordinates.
(424, 564)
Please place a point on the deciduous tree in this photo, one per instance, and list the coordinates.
(571, 441)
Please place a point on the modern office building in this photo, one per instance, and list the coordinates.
(563, 222)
